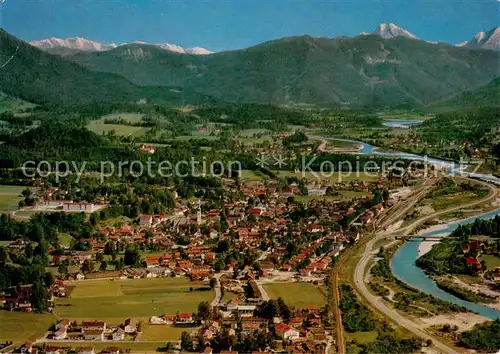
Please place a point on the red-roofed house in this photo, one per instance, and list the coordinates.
(184, 317)
(286, 332)
(146, 219)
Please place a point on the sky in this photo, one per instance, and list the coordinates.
(233, 24)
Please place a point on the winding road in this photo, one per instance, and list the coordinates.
(377, 301)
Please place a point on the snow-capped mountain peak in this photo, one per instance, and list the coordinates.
(83, 44)
(198, 51)
(390, 30)
(484, 40)
(77, 43)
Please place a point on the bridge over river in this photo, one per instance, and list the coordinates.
(418, 238)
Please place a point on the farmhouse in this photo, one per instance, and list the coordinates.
(119, 334)
(184, 317)
(93, 330)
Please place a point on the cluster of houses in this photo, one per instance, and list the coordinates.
(249, 222)
(18, 298)
(30, 348)
(93, 331)
(302, 332)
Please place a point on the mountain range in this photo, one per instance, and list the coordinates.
(33, 75)
(358, 71)
(72, 45)
(482, 40)
(364, 70)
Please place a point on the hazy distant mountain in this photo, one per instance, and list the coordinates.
(77, 43)
(72, 45)
(390, 30)
(355, 71)
(484, 40)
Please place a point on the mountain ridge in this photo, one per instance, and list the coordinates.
(36, 76)
(345, 70)
(72, 44)
(484, 96)
(484, 40)
(360, 71)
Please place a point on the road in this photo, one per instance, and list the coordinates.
(392, 214)
(338, 313)
(217, 288)
(493, 194)
(376, 301)
(263, 292)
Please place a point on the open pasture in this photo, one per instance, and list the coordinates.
(299, 295)
(115, 300)
(99, 126)
(10, 197)
(20, 326)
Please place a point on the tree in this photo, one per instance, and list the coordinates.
(204, 311)
(103, 266)
(185, 341)
(385, 195)
(284, 310)
(41, 252)
(63, 270)
(26, 193)
(94, 219)
(3, 255)
(48, 279)
(213, 282)
(132, 256)
(87, 266)
(119, 263)
(99, 257)
(268, 309)
(28, 251)
(109, 248)
(38, 296)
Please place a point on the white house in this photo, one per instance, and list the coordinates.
(119, 334)
(93, 330)
(129, 327)
(61, 333)
(316, 191)
(286, 332)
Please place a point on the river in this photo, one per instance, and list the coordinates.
(403, 262)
